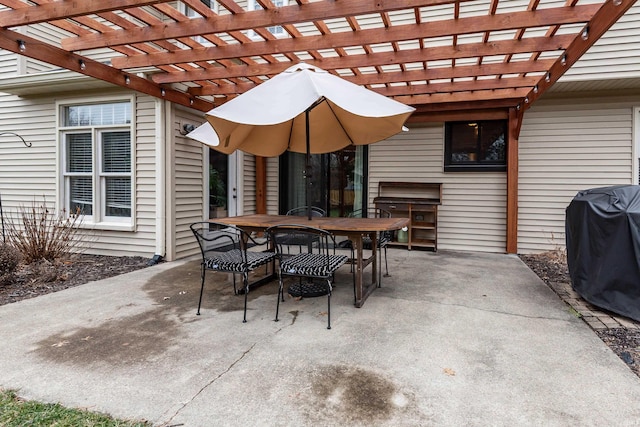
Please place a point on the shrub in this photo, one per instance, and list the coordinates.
(43, 234)
(9, 260)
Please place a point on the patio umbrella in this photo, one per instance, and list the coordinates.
(304, 109)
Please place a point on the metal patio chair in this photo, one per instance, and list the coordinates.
(292, 241)
(302, 211)
(229, 249)
(316, 259)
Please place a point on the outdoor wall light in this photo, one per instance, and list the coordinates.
(563, 61)
(526, 100)
(127, 80)
(585, 33)
(535, 89)
(186, 128)
(22, 46)
(82, 65)
(617, 2)
(547, 78)
(162, 92)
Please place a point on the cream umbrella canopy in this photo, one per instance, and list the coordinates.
(304, 109)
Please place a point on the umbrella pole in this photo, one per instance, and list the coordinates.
(308, 163)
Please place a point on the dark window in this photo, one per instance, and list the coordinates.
(475, 146)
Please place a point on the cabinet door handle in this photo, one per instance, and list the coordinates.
(392, 207)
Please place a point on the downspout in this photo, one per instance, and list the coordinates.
(160, 167)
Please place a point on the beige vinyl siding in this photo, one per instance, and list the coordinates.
(473, 211)
(23, 187)
(188, 182)
(567, 146)
(249, 184)
(27, 174)
(8, 64)
(48, 33)
(273, 192)
(615, 55)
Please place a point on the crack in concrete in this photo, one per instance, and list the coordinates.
(506, 313)
(207, 385)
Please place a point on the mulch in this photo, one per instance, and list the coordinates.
(40, 278)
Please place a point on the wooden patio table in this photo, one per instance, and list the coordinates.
(355, 229)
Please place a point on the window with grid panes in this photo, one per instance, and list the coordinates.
(97, 166)
(276, 30)
(211, 4)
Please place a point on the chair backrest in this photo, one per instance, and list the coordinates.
(214, 238)
(373, 213)
(302, 211)
(308, 239)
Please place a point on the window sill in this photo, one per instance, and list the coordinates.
(475, 168)
(107, 226)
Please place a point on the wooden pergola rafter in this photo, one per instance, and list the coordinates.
(451, 59)
(458, 53)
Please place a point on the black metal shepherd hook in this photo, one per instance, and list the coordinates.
(26, 144)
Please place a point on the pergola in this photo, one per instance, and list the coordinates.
(451, 59)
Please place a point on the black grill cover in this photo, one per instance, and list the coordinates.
(603, 247)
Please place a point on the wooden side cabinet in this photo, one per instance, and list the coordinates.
(417, 201)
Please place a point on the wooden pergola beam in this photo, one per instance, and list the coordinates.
(459, 71)
(413, 89)
(36, 49)
(476, 24)
(292, 14)
(65, 9)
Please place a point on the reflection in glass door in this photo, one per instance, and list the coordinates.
(337, 181)
(218, 179)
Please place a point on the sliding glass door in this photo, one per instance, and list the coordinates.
(337, 181)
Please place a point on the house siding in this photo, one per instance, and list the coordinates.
(615, 55)
(187, 184)
(249, 184)
(20, 186)
(473, 211)
(8, 64)
(273, 191)
(565, 146)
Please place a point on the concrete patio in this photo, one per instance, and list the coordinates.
(450, 339)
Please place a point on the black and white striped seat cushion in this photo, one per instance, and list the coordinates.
(232, 260)
(312, 264)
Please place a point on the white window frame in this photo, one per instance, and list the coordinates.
(98, 219)
(277, 30)
(214, 6)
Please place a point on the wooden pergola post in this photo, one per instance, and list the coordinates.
(515, 123)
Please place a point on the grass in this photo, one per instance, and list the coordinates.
(18, 412)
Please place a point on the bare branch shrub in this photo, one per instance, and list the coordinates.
(9, 260)
(43, 234)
